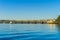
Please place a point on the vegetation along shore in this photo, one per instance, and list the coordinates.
(48, 21)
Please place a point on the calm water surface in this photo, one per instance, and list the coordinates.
(29, 32)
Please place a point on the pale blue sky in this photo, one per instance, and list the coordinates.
(29, 9)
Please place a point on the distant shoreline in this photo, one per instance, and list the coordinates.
(51, 21)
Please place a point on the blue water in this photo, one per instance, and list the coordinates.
(29, 32)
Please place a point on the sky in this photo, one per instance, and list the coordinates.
(29, 9)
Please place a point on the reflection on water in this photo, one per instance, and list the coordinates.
(29, 32)
(52, 26)
(58, 25)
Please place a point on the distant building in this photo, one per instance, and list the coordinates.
(51, 21)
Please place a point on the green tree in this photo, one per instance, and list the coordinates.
(58, 19)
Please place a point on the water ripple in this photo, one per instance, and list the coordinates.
(27, 36)
(20, 32)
